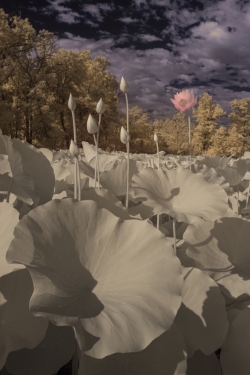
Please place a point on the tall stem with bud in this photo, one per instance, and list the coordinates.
(72, 107)
(158, 154)
(125, 88)
(92, 128)
(100, 108)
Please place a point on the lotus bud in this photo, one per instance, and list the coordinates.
(124, 136)
(124, 87)
(92, 126)
(73, 149)
(71, 103)
(156, 139)
(100, 107)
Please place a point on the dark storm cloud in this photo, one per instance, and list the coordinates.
(159, 46)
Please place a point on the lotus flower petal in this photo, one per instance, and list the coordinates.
(184, 100)
(164, 356)
(179, 193)
(18, 327)
(97, 273)
(9, 217)
(234, 356)
(53, 352)
(202, 317)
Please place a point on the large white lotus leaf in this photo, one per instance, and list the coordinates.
(4, 165)
(212, 177)
(202, 317)
(53, 352)
(180, 193)
(234, 356)
(20, 183)
(60, 171)
(38, 167)
(235, 173)
(89, 151)
(48, 153)
(58, 155)
(164, 356)
(104, 160)
(201, 364)
(233, 284)
(85, 261)
(19, 328)
(214, 161)
(141, 209)
(23, 193)
(105, 199)
(9, 217)
(220, 245)
(115, 180)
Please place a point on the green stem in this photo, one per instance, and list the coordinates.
(75, 179)
(158, 216)
(248, 193)
(78, 179)
(95, 159)
(174, 231)
(190, 145)
(126, 96)
(98, 172)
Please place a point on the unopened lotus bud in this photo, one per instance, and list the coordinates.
(124, 136)
(124, 87)
(71, 103)
(156, 138)
(92, 126)
(100, 107)
(73, 149)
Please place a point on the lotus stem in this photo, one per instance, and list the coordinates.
(238, 199)
(75, 140)
(8, 193)
(97, 155)
(190, 145)
(126, 96)
(158, 216)
(248, 193)
(174, 232)
(95, 159)
(78, 179)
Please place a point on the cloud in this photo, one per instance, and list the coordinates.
(147, 38)
(127, 20)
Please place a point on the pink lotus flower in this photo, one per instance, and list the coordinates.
(184, 100)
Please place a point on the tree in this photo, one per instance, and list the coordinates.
(218, 141)
(207, 118)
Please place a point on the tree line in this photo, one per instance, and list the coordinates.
(36, 78)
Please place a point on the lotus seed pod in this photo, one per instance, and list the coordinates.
(124, 136)
(73, 149)
(100, 107)
(71, 103)
(92, 126)
(156, 138)
(124, 87)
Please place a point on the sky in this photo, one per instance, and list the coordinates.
(160, 47)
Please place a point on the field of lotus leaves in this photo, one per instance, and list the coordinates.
(94, 282)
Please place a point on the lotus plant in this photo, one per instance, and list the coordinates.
(74, 151)
(100, 108)
(72, 107)
(156, 139)
(92, 128)
(125, 88)
(184, 101)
